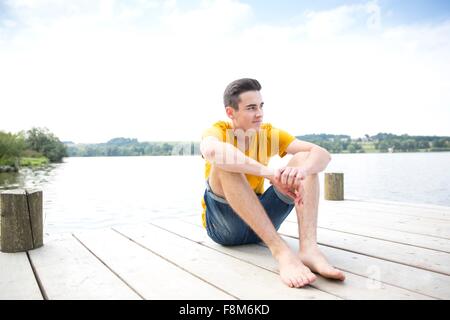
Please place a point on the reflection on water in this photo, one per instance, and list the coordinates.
(27, 177)
(101, 192)
(11, 180)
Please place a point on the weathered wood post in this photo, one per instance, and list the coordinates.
(21, 223)
(334, 186)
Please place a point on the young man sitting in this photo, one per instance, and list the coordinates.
(237, 210)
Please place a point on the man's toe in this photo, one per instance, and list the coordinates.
(297, 282)
(312, 277)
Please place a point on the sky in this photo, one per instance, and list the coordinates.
(93, 70)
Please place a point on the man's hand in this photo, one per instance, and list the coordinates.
(288, 181)
(291, 176)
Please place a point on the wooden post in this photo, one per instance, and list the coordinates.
(334, 186)
(21, 223)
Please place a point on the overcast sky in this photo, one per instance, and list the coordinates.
(93, 70)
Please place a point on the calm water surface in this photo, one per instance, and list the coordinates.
(84, 193)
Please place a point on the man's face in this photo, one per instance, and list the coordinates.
(250, 113)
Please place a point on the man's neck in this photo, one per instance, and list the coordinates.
(247, 138)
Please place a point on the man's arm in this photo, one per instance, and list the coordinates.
(230, 158)
(318, 158)
(288, 179)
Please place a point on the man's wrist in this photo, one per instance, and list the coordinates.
(307, 171)
(267, 172)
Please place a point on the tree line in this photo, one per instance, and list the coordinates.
(382, 142)
(41, 144)
(132, 147)
(34, 143)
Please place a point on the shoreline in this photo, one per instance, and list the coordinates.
(177, 155)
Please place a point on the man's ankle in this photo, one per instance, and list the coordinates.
(279, 250)
(308, 246)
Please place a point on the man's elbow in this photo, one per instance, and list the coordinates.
(326, 154)
(212, 150)
(207, 151)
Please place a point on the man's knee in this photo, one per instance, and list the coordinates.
(220, 173)
(298, 159)
(219, 178)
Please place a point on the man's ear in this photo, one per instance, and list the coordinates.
(230, 112)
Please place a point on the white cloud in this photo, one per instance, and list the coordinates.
(328, 23)
(151, 70)
(333, 22)
(213, 18)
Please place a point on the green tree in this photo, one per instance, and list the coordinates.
(43, 141)
(351, 148)
(440, 143)
(383, 146)
(11, 147)
(167, 149)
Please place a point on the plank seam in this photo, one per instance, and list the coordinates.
(372, 256)
(36, 276)
(400, 203)
(387, 240)
(383, 239)
(389, 213)
(444, 211)
(348, 271)
(173, 263)
(410, 232)
(344, 269)
(364, 254)
(239, 259)
(110, 269)
(364, 276)
(393, 229)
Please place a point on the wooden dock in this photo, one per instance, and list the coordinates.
(388, 250)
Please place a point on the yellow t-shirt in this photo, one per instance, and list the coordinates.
(264, 144)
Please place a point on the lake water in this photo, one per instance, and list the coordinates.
(84, 193)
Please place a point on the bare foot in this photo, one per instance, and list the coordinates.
(316, 261)
(292, 271)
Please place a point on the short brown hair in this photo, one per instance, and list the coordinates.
(234, 89)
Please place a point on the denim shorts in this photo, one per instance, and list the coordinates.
(224, 225)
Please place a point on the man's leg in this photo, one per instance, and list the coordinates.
(235, 189)
(307, 224)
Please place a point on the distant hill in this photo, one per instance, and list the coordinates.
(132, 147)
(334, 143)
(381, 142)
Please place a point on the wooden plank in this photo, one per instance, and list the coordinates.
(437, 208)
(350, 226)
(417, 257)
(393, 213)
(417, 280)
(17, 280)
(406, 224)
(425, 282)
(149, 274)
(419, 225)
(354, 287)
(393, 209)
(238, 278)
(67, 270)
